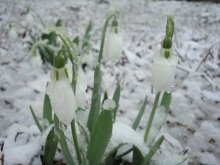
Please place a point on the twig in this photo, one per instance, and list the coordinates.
(206, 54)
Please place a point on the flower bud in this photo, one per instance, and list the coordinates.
(61, 96)
(163, 70)
(109, 104)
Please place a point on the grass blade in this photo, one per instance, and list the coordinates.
(116, 98)
(150, 121)
(140, 114)
(75, 140)
(36, 120)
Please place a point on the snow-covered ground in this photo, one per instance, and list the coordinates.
(194, 119)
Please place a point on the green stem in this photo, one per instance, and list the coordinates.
(75, 140)
(63, 142)
(150, 121)
(110, 15)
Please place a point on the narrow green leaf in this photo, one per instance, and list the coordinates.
(96, 99)
(36, 120)
(58, 23)
(100, 137)
(76, 40)
(150, 121)
(137, 156)
(140, 114)
(84, 159)
(116, 98)
(75, 140)
(50, 148)
(47, 109)
(62, 140)
(152, 151)
(82, 130)
(87, 36)
(110, 158)
(105, 97)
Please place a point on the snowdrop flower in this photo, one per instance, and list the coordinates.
(163, 70)
(109, 104)
(81, 87)
(113, 43)
(61, 94)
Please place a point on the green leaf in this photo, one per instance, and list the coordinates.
(76, 40)
(82, 130)
(62, 140)
(58, 23)
(140, 114)
(50, 148)
(152, 151)
(105, 97)
(96, 99)
(100, 137)
(116, 98)
(87, 36)
(75, 140)
(36, 121)
(47, 109)
(137, 156)
(150, 121)
(110, 158)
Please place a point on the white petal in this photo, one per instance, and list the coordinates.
(109, 104)
(62, 99)
(81, 90)
(163, 73)
(113, 45)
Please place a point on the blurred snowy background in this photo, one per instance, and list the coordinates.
(193, 125)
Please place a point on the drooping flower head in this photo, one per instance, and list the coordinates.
(113, 42)
(164, 64)
(163, 71)
(60, 92)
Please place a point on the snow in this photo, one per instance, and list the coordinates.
(194, 118)
(123, 134)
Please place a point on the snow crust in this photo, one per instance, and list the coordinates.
(193, 124)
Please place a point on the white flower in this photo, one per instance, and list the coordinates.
(61, 96)
(113, 44)
(163, 71)
(81, 87)
(109, 104)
